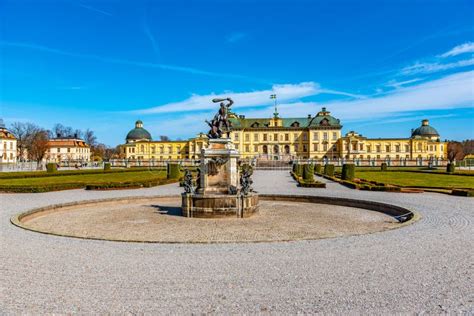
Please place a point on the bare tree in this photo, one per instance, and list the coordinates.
(455, 151)
(24, 133)
(90, 138)
(164, 138)
(38, 145)
(468, 146)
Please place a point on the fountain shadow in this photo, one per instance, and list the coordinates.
(167, 210)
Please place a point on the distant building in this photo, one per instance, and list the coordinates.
(69, 148)
(139, 145)
(313, 137)
(8, 145)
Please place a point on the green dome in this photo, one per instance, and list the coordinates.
(138, 133)
(425, 130)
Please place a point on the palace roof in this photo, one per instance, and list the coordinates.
(323, 119)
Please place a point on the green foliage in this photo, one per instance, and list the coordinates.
(468, 193)
(111, 179)
(59, 173)
(317, 168)
(329, 170)
(450, 168)
(294, 167)
(51, 167)
(173, 171)
(308, 172)
(299, 170)
(383, 166)
(107, 166)
(348, 172)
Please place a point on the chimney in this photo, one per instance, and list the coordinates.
(425, 122)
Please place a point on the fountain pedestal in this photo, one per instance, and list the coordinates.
(218, 193)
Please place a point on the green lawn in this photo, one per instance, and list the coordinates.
(87, 178)
(417, 179)
(27, 174)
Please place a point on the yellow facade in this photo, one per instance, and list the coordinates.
(313, 137)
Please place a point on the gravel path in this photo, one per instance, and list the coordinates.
(424, 267)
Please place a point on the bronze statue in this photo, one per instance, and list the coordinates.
(220, 124)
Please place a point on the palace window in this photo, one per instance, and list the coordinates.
(59, 150)
(265, 137)
(236, 136)
(369, 148)
(325, 136)
(305, 137)
(255, 148)
(153, 149)
(178, 150)
(379, 149)
(255, 137)
(397, 148)
(305, 148)
(419, 146)
(247, 137)
(162, 150)
(334, 135)
(170, 149)
(295, 136)
(142, 148)
(325, 147)
(361, 146)
(11, 145)
(315, 147)
(407, 148)
(387, 148)
(296, 147)
(315, 136)
(69, 150)
(275, 137)
(354, 146)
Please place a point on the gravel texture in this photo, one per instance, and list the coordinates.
(426, 267)
(139, 220)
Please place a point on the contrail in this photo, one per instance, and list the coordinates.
(92, 8)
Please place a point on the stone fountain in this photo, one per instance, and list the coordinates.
(222, 189)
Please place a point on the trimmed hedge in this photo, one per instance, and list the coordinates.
(450, 168)
(329, 170)
(128, 185)
(308, 172)
(172, 171)
(51, 167)
(107, 166)
(40, 188)
(468, 193)
(348, 172)
(317, 168)
(383, 166)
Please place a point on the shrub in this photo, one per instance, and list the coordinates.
(460, 192)
(383, 166)
(294, 167)
(308, 172)
(450, 168)
(317, 168)
(51, 167)
(329, 170)
(107, 166)
(348, 172)
(172, 171)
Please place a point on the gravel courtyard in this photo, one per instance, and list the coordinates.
(139, 220)
(424, 267)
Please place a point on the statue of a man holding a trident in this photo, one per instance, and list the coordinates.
(220, 123)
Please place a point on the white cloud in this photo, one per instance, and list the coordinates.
(397, 84)
(284, 92)
(460, 49)
(435, 67)
(235, 37)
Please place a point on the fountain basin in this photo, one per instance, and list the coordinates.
(219, 205)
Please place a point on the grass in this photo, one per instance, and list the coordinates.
(417, 179)
(64, 182)
(33, 174)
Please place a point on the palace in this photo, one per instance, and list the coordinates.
(8, 145)
(276, 138)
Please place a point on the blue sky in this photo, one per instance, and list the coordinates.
(379, 66)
